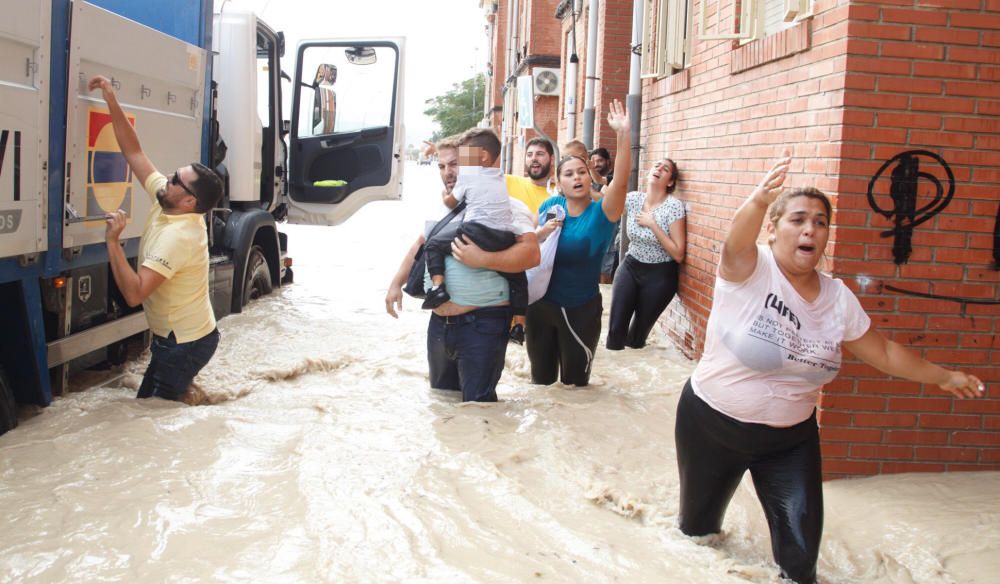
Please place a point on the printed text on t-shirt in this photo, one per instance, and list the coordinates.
(772, 301)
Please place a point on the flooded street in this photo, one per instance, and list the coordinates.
(321, 455)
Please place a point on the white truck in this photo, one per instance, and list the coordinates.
(198, 85)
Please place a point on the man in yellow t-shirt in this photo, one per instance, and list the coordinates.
(172, 280)
(532, 190)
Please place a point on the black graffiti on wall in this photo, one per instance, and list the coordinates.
(905, 179)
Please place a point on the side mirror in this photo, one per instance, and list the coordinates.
(281, 44)
(325, 73)
(361, 55)
(286, 126)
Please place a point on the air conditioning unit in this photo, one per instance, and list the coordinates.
(546, 80)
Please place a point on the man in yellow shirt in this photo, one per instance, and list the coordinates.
(532, 190)
(172, 280)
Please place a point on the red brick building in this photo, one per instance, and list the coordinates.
(891, 107)
(614, 33)
(525, 39)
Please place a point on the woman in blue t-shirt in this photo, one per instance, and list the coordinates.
(563, 328)
(647, 280)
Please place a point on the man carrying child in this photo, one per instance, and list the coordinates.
(488, 220)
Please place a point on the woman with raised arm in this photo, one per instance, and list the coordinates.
(646, 281)
(563, 328)
(773, 340)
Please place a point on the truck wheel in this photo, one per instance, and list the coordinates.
(8, 407)
(258, 278)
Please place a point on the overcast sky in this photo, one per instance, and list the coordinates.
(445, 40)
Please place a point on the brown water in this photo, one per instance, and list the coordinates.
(324, 457)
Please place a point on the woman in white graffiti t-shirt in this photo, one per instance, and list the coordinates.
(773, 340)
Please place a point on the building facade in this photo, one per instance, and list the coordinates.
(893, 109)
(524, 38)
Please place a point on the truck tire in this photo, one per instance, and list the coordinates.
(258, 276)
(8, 407)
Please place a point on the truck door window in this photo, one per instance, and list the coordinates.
(346, 89)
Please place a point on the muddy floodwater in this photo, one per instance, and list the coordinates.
(321, 455)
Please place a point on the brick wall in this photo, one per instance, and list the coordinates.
(921, 76)
(614, 34)
(541, 26)
(538, 37)
(846, 91)
(725, 119)
(613, 55)
(498, 64)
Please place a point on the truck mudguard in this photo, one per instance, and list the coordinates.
(244, 230)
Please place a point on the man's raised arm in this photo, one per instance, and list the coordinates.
(125, 134)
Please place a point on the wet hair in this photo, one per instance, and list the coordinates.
(207, 188)
(538, 141)
(484, 138)
(602, 152)
(779, 205)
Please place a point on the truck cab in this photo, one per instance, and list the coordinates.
(340, 148)
(310, 146)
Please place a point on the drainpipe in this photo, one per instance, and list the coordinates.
(509, 68)
(515, 26)
(515, 29)
(588, 92)
(508, 109)
(634, 104)
(571, 72)
(634, 100)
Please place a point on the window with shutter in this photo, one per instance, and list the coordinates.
(676, 37)
(666, 34)
(649, 29)
(758, 18)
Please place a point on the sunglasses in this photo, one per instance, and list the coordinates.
(176, 180)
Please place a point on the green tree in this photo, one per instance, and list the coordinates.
(459, 109)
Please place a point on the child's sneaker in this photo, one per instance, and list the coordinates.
(517, 334)
(436, 296)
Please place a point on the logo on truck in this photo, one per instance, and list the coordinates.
(109, 178)
(13, 167)
(10, 175)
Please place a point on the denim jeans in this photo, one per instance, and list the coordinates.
(466, 352)
(173, 365)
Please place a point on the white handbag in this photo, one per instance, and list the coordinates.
(539, 276)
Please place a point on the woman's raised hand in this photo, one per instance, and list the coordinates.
(618, 118)
(770, 187)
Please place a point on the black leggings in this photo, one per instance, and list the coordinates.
(713, 452)
(561, 341)
(639, 295)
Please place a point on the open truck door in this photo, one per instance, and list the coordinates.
(346, 135)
